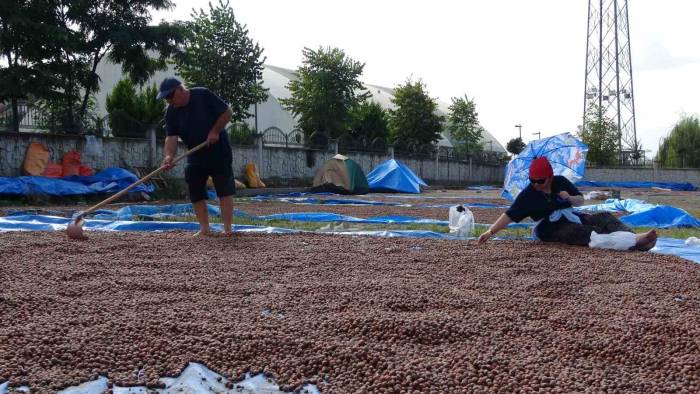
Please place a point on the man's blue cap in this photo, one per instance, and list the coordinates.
(167, 86)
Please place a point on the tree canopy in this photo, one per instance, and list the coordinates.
(463, 125)
(325, 91)
(414, 124)
(515, 146)
(219, 55)
(602, 137)
(681, 148)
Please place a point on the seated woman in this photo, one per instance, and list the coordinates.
(549, 199)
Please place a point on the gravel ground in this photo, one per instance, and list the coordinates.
(352, 314)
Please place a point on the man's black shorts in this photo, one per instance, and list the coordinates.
(197, 175)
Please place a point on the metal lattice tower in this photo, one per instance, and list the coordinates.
(609, 71)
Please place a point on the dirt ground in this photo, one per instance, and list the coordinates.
(351, 314)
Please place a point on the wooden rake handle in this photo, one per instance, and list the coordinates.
(140, 181)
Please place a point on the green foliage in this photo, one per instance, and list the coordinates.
(52, 49)
(414, 125)
(323, 95)
(602, 137)
(132, 114)
(682, 146)
(241, 134)
(463, 125)
(220, 56)
(515, 146)
(370, 121)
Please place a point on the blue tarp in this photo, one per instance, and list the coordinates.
(645, 185)
(111, 180)
(646, 215)
(393, 175)
(49, 223)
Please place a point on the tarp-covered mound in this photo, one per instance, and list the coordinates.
(111, 180)
(340, 175)
(394, 176)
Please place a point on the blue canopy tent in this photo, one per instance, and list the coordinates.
(394, 176)
(566, 153)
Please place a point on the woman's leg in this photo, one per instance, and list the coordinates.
(604, 223)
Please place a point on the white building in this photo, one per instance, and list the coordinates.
(271, 113)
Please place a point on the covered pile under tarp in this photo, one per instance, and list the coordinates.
(340, 175)
(641, 185)
(111, 180)
(646, 215)
(394, 176)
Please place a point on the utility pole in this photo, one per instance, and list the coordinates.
(520, 131)
(609, 88)
(538, 134)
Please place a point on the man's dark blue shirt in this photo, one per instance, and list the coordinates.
(192, 124)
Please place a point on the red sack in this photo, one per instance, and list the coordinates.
(71, 163)
(53, 170)
(85, 171)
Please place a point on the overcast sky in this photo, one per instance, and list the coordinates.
(522, 61)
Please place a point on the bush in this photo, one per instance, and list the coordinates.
(132, 114)
(241, 134)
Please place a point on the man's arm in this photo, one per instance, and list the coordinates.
(500, 224)
(170, 150)
(219, 125)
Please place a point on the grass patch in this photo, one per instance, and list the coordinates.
(513, 232)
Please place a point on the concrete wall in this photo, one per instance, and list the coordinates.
(644, 175)
(280, 166)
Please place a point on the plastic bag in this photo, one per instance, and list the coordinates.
(461, 221)
(692, 241)
(93, 146)
(619, 240)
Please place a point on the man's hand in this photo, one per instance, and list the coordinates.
(484, 237)
(564, 195)
(212, 138)
(168, 162)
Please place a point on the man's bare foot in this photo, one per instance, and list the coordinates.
(203, 233)
(646, 241)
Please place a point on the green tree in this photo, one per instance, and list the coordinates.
(463, 125)
(220, 56)
(415, 124)
(28, 35)
(131, 114)
(65, 40)
(682, 146)
(515, 146)
(602, 137)
(326, 90)
(369, 120)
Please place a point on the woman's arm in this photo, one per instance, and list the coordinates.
(500, 224)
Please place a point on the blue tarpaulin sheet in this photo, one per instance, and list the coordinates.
(644, 185)
(111, 180)
(674, 247)
(350, 201)
(646, 215)
(394, 176)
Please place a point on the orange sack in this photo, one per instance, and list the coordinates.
(53, 170)
(71, 163)
(36, 159)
